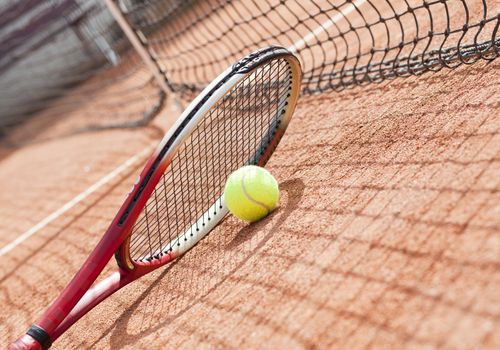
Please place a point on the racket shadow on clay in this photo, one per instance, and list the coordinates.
(247, 238)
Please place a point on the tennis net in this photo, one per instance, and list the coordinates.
(340, 43)
(70, 60)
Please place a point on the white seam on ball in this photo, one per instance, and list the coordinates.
(250, 198)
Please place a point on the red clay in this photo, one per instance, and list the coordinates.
(387, 234)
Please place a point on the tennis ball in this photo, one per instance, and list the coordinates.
(251, 192)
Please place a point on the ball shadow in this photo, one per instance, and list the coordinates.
(294, 189)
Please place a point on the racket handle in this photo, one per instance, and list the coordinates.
(25, 342)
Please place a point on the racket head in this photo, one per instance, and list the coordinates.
(237, 120)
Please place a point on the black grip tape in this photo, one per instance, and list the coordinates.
(40, 336)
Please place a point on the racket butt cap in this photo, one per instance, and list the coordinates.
(35, 339)
(25, 343)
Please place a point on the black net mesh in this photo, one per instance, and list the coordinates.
(236, 131)
(340, 43)
(70, 60)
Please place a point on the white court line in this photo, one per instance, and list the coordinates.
(101, 182)
(301, 43)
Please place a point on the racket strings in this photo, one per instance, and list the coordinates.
(184, 200)
(148, 229)
(233, 133)
(177, 173)
(208, 162)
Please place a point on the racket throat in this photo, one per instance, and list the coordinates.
(122, 256)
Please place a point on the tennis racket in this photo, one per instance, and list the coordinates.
(237, 120)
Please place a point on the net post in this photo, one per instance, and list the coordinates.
(139, 45)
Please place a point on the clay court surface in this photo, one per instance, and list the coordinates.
(387, 234)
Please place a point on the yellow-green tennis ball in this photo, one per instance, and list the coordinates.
(251, 192)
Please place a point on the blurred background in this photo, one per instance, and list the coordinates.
(48, 47)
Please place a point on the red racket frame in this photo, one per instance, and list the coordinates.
(78, 297)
